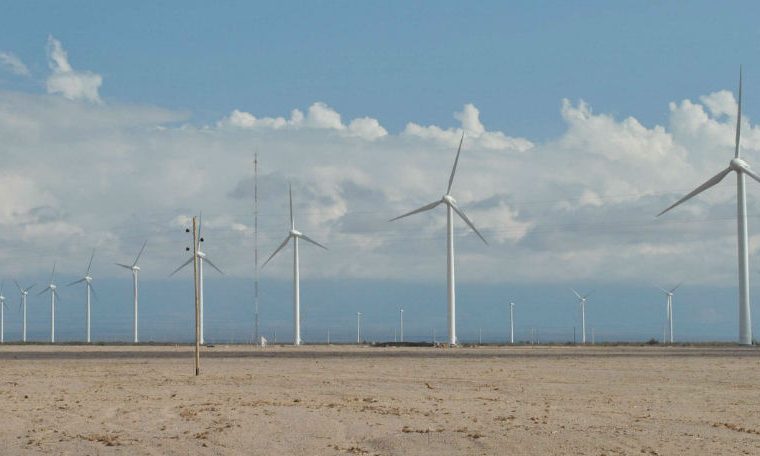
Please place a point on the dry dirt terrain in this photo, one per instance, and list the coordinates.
(380, 401)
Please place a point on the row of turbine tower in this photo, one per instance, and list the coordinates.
(737, 165)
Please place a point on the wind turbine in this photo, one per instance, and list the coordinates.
(24, 293)
(669, 308)
(582, 302)
(87, 280)
(512, 323)
(53, 295)
(3, 306)
(451, 207)
(740, 167)
(135, 269)
(295, 235)
(201, 259)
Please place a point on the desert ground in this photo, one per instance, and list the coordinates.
(329, 400)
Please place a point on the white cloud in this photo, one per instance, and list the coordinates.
(64, 80)
(13, 63)
(474, 131)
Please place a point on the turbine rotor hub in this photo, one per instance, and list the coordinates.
(52, 287)
(737, 164)
(295, 233)
(135, 268)
(448, 199)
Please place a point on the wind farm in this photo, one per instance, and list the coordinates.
(509, 228)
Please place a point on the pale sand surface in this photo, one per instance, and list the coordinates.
(386, 401)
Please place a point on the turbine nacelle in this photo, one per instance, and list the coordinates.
(88, 279)
(737, 164)
(135, 268)
(52, 287)
(448, 199)
(201, 254)
(296, 233)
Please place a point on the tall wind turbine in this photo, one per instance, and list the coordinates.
(669, 308)
(24, 293)
(582, 302)
(451, 207)
(202, 257)
(3, 306)
(53, 295)
(295, 235)
(135, 269)
(512, 323)
(740, 167)
(87, 280)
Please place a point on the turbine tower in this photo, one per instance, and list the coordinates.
(87, 280)
(451, 208)
(295, 235)
(53, 295)
(24, 293)
(202, 257)
(669, 309)
(3, 307)
(135, 269)
(582, 302)
(741, 168)
(512, 323)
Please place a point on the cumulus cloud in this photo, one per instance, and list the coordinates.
(318, 116)
(64, 80)
(473, 130)
(13, 63)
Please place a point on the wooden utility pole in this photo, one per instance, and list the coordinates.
(197, 299)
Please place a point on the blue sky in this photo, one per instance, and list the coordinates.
(581, 119)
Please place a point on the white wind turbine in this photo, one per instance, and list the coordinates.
(451, 207)
(53, 295)
(669, 308)
(582, 302)
(3, 307)
(87, 280)
(295, 235)
(135, 269)
(740, 167)
(24, 293)
(202, 257)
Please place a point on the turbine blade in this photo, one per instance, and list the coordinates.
(290, 193)
(676, 287)
(751, 173)
(43, 291)
(75, 282)
(282, 246)
(17, 285)
(576, 293)
(454, 168)
(94, 295)
(739, 115)
(661, 289)
(200, 225)
(52, 274)
(31, 286)
(57, 296)
(140, 254)
(709, 183)
(90, 265)
(2, 285)
(588, 294)
(308, 239)
(469, 222)
(181, 266)
(206, 260)
(417, 211)
(123, 266)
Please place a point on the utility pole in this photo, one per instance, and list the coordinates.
(256, 247)
(358, 321)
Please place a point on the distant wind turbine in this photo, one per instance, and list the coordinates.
(512, 323)
(24, 293)
(3, 307)
(669, 308)
(295, 235)
(740, 167)
(135, 270)
(451, 207)
(201, 259)
(87, 280)
(53, 295)
(582, 302)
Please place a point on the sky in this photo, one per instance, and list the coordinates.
(581, 121)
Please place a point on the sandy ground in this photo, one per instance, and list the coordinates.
(384, 401)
